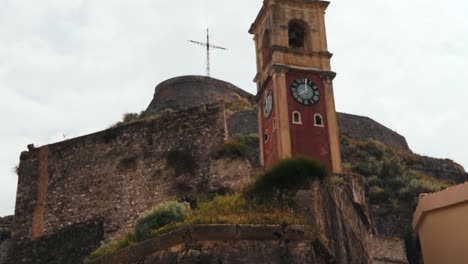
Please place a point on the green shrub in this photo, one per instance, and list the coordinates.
(418, 186)
(164, 214)
(369, 168)
(113, 246)
(392, 167)
(396, 182)
(181, 161)
(234, 208)
(130, 117)
(247, 139)
(373, 180)
(347, 167)
(377, 194)
(231, 149)
(337, 180)
(344, 140)
(289, 174)
(237, 209)
(375, 148)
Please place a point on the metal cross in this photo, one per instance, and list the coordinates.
(208, 48)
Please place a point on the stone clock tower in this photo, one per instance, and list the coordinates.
(296, 104)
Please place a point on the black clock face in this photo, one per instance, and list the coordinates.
(305, 91)
(268, 104)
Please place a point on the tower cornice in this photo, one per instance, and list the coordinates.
(327, 76)
(268, 3)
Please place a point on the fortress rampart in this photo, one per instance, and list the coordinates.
(117, 174)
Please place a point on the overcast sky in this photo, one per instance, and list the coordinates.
(72, 67)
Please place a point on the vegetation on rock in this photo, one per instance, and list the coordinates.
(164, 214)
(239, 104)
(388, 177)
(288, 175)
(393, 188)
(260, 203)
(231, 149)
(247, 139)
(130, 118)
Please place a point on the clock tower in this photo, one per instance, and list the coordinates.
(295, 83)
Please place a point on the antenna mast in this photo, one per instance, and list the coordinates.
(208, 48)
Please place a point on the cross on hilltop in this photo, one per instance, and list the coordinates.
(208, 48)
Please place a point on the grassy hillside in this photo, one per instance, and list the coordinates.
(392, 186)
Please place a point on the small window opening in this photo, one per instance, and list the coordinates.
(297, 118)
(318, 120)
(265, 137)
(296, 33)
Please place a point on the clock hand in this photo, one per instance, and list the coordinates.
(305, 85)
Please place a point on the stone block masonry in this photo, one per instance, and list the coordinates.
(5, 234)
(226, 244)
(117, 174)
(68, 246)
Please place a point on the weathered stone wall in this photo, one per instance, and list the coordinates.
(190, 91)
(68, 246)
(5, 235)
(243, 123)
(5, 227)
(229, 244)
(117, 174)
(337, 209)
(4, 249)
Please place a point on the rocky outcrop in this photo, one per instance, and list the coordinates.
(363, 128)
(442, 169)
(339, 210)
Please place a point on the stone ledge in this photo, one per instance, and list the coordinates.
(198, 233)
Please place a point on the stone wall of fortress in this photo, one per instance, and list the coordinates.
(116, 174)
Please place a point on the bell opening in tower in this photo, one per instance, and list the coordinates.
(297, 33)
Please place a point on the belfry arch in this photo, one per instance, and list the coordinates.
(298, 34)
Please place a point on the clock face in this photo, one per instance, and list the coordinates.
(268, 104)
(305, 91)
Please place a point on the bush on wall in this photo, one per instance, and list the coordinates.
(164, 214)
(289, 174)
(231, 149)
